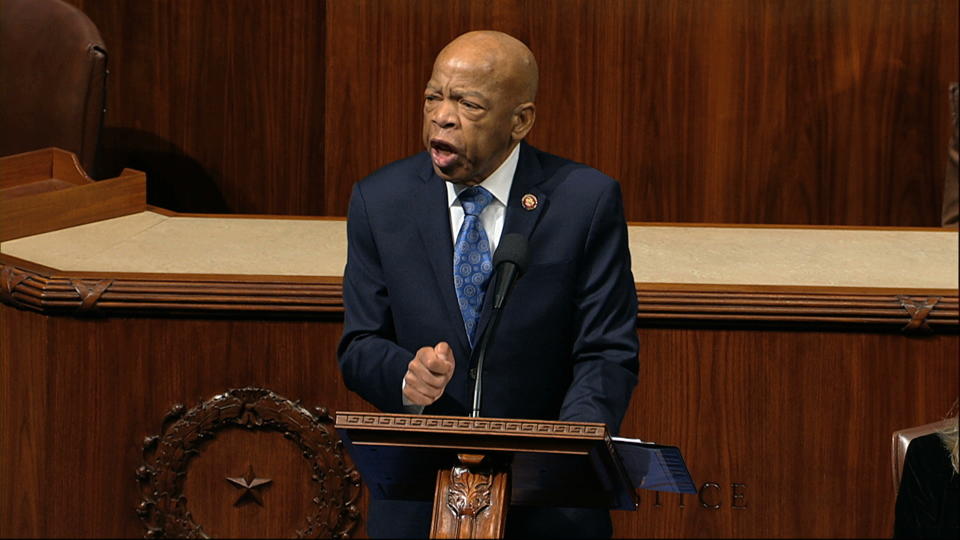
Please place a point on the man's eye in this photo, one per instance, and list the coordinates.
(432, 98)
(470, 105)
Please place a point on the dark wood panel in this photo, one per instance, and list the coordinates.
(284, 501)
(782, 112)
(80, 395)
(23, 408)
(379, 57)
(733, 112)
(787, 112)
(794, 426)
(219, 102)
(286, 461)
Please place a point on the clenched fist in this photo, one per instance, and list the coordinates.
(428, 374)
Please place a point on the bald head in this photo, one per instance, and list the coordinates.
(505, 57)
(478, 105)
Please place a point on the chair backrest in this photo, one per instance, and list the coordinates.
(53, 70)
(901, 440)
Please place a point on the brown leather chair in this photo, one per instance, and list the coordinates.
(53, 71)
(901, 440)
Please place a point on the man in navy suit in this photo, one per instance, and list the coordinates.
(566, 345)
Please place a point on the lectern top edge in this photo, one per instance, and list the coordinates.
(589, 431)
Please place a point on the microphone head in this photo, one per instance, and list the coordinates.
(512, 249)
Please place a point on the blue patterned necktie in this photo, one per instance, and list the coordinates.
(472, 263)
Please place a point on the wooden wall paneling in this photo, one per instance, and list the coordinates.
(793, 112)
(795, 427)
(287, 496)
(379, 58)
(79, 395)
(219, 102)
(777, 425)
(733, 112)
(23, 410)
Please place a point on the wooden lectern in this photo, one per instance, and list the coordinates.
(474, 468)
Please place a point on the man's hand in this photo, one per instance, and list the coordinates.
(428, 374)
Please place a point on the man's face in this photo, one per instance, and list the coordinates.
(467, 119)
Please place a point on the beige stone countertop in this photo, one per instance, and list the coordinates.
(150, 242)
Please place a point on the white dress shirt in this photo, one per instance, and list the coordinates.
(498, 184)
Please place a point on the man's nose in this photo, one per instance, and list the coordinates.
(445, 116)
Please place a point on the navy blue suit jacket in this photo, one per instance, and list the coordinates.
(566, 345)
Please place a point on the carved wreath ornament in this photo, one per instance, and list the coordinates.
(163, 507)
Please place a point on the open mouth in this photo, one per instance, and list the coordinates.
(443, 153)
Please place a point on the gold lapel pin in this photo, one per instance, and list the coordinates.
(529, 201)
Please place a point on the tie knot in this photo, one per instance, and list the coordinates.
(474, 200)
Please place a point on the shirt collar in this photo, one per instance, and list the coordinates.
(498, 183)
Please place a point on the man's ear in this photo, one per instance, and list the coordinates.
(523, 118)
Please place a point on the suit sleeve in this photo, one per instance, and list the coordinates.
(371, 362)
(605, 348)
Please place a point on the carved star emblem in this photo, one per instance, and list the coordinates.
(250, 485)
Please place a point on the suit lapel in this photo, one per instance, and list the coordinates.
(526, 180)
(431, 210)
(518, 219)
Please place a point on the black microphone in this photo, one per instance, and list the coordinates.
(509, 263)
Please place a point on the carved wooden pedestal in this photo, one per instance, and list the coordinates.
(471, 500)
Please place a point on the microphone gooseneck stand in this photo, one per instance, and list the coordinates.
(481, 353)
(510, 261)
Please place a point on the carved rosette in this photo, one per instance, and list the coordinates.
(163, 507)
